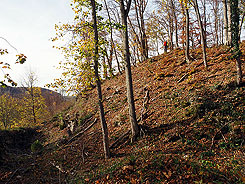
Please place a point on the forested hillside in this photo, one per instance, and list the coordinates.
(191, 129)
(159, 97)
(28, 106)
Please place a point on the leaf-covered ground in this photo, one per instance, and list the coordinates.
(192, 128)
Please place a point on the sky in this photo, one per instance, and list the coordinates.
(28, 25)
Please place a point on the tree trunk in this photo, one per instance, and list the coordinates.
(229, 22)
(187, 35)
(204, 20)
(129, 82)
(176, 28)
(139, 10)
(216, 21)
(33, 105)
(144, 40)
(240, 27)
(202, 33)
(117, 60)
(235, 38)
(105, 74)
(239, 71)
(112, 42)
(226, 40)
(98, 83)
(137, 39)
(171, 32)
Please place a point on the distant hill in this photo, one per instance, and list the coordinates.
(17, 91)
(13, 91)
(53, 99)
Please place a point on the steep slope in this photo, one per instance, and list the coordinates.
(191, 121)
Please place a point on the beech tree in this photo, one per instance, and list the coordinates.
(126, 55)
(185, 5)
(34, 108)
(225, 20)
(155, 33)
(98, 83)
(140, 35)
(235, 38)
(216, 23)
(86, 48)
(175, 17)
(202, 32)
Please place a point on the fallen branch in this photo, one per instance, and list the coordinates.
(219, 130)
(182, 78)
(58, 167)
(82, 132)
(87, 120)
(122, 137)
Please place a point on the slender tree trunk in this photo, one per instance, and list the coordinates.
(176, 32)
(204, 20)
(226, 40)
(240, 27)
(117, 60)
(105, 73)
(139, 10)
(171, 32)
(222, 32)
(144, 39)
(184, 25)
(33, 105)
(229, 22)
(192, 37)
(112, 42)
(216, 21)
(138, 40)
(109, 61)
(98, 84)
(235, 38)
(157, 46)
(129, 82)
(204, 44)
(175, 22)
(187, 35)
(239, 71)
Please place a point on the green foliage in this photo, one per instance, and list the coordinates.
(78, 75)
(62, 125)
(78, 69)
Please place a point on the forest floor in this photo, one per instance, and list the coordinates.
(192, 129)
